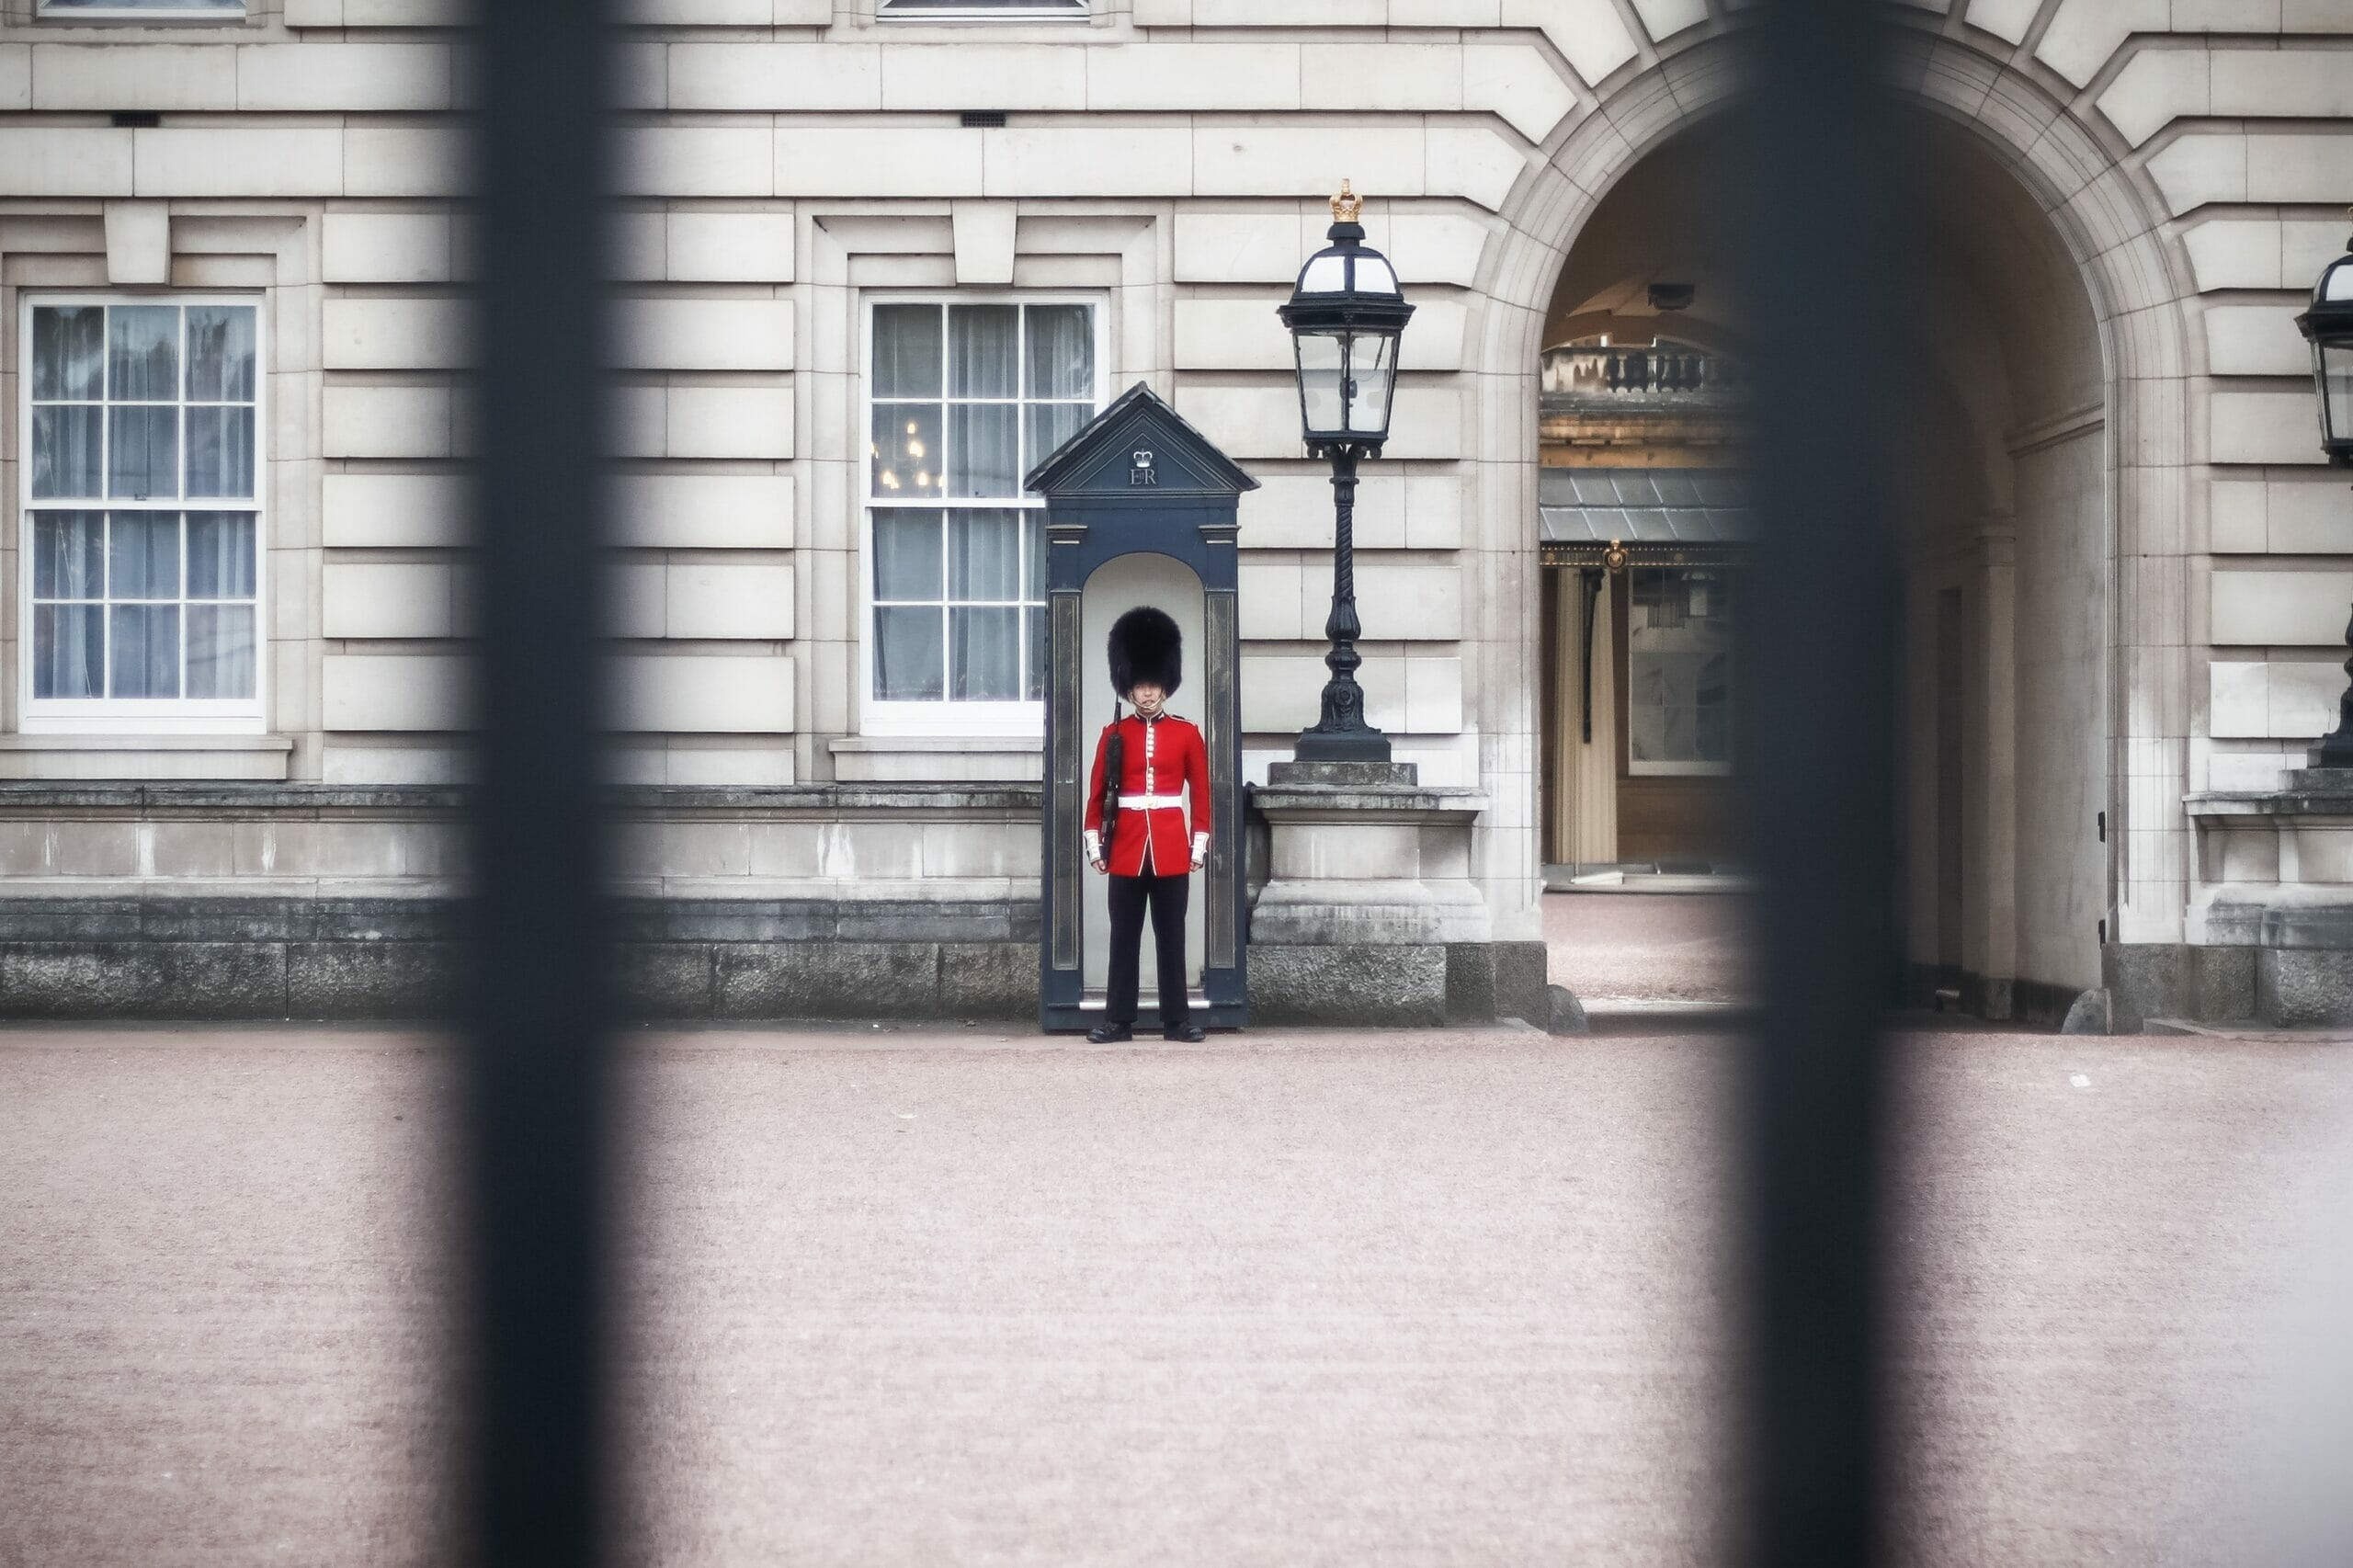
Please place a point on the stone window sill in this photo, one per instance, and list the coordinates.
(262, 757)
(871, 759)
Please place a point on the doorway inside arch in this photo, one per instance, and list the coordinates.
(2006, 592)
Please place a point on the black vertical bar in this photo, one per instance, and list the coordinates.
(1589, 581)
(1815, 202)
(535, 985)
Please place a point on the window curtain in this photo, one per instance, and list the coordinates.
(69, 650)
(220, 637)
(65, 453)
(221, 452)
(1061, 352)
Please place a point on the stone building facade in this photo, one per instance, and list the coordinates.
(858, 233)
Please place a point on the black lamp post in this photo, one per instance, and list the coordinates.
(1344, 316)
(2328, 327)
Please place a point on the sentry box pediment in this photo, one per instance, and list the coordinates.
(1139, 509)
(1139, 451)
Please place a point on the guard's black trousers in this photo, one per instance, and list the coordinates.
(1167, 896)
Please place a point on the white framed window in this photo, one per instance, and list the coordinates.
(963, 396)
(1678, 671)
(142, 473)
(147, 10)
(932, 10)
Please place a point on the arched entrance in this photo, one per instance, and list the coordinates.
(2018, 680)
(1640, 506)
(2009, 618)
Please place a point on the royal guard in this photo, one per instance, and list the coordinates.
(1138, 830)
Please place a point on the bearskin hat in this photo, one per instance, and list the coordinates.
(1146, 646)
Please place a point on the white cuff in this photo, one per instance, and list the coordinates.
(1094, 845)
(1200, 847)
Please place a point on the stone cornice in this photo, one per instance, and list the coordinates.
(20, 799)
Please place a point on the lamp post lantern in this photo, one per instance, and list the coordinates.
(1345, 315)
(2328, 327)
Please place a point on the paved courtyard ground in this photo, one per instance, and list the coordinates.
(967, 1296)
(1649, 946)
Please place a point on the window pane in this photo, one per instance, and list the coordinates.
(1656, 732)
(907, 655)
(1036, 586)
(985, 556)
(146, 650)
(906, 556)
(906, 351)
(65, 451)
(68, 555)
(221, 451)
(981, 459)
(220, 650)
(1678, 667)
(987, 644)
(1713, 721)
(906, 449)
(144, 352)
(219, 556)
(143, 556)
(2335, 366)
(69, 351)
(981, 341)
(221, 353)
(1035, 619)
(1051, 424)
(1061, 351)
(1324, 275)
(142, 452)
(69, 650)
(1319, 380)
(1370, 373)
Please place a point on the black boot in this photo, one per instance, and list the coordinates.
(1186, 1031)
(1109, 1034)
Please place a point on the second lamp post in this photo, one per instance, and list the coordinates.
(1346, 315)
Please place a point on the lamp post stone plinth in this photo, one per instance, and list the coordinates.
(1369, 912)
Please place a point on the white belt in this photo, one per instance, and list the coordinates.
(1149, 802)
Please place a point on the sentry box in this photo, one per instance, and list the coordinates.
(1139, 509)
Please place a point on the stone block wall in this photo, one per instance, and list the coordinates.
(340, 901)
(265, 901)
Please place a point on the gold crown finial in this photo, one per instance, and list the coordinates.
(1347, 205)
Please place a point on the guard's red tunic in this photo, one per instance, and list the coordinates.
(1160, 757)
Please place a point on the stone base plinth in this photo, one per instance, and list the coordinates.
(2271, 919)
(1397, 984)
(1341, 775)
(1368, 913)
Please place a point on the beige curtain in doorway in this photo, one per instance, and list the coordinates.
(1584, 793)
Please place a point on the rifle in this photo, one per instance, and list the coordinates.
(1115, 756)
